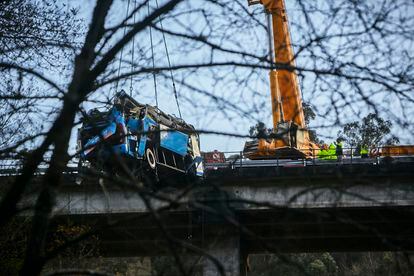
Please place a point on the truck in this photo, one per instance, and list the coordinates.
(130, 137)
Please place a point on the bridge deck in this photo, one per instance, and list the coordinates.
(303, 208)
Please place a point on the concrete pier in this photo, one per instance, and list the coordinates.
(227, 249)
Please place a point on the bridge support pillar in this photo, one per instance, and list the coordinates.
(227, 250)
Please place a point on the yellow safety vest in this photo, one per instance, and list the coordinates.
(332, 152)
(323, 154)
(364, 150)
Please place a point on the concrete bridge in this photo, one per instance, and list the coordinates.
(238, 211)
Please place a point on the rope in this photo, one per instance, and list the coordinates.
(133, 51)
(122, 50)
(169, 65)
(153, 62)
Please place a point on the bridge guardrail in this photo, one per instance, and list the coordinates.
(350, 156)
(13, 166)
(376, 155)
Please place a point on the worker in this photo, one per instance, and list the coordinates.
(357, 151)
(364, 151)
(332, 151)
(292, 131)
(323, 153)
(339, 149)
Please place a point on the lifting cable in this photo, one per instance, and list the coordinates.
(169, 64)
(133, 51)
(122, 50)
(153, 61)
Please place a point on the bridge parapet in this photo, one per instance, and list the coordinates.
(247, 189)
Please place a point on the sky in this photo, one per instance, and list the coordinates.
(166, 100)
(200, 114)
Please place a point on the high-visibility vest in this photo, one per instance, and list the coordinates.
(332, 152)
(364, 150)
(323, 154)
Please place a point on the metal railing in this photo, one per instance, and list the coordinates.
(237, 159)
(350, 156)
(13, 166)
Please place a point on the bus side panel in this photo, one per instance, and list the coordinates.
(174, 141)
(91, 143)
(147, 122)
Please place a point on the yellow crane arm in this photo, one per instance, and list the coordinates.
(285, 93)
(292, 139)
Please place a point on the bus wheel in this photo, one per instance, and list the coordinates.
(151, 158)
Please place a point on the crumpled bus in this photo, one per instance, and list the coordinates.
(139, 138)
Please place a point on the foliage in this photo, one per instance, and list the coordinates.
(308, 112)
(36, 29)
(331, 264)
(312, 264)
(14, 236)
(64, 233)
(371, 131)
(13, 239)
(259, 130)
(37, 34)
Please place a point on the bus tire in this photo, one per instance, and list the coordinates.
(151, 158)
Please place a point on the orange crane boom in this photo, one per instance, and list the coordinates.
(292, 137)
(288, 88)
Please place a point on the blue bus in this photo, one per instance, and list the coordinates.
(141, 139)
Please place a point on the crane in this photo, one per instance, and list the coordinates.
(291, 137)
